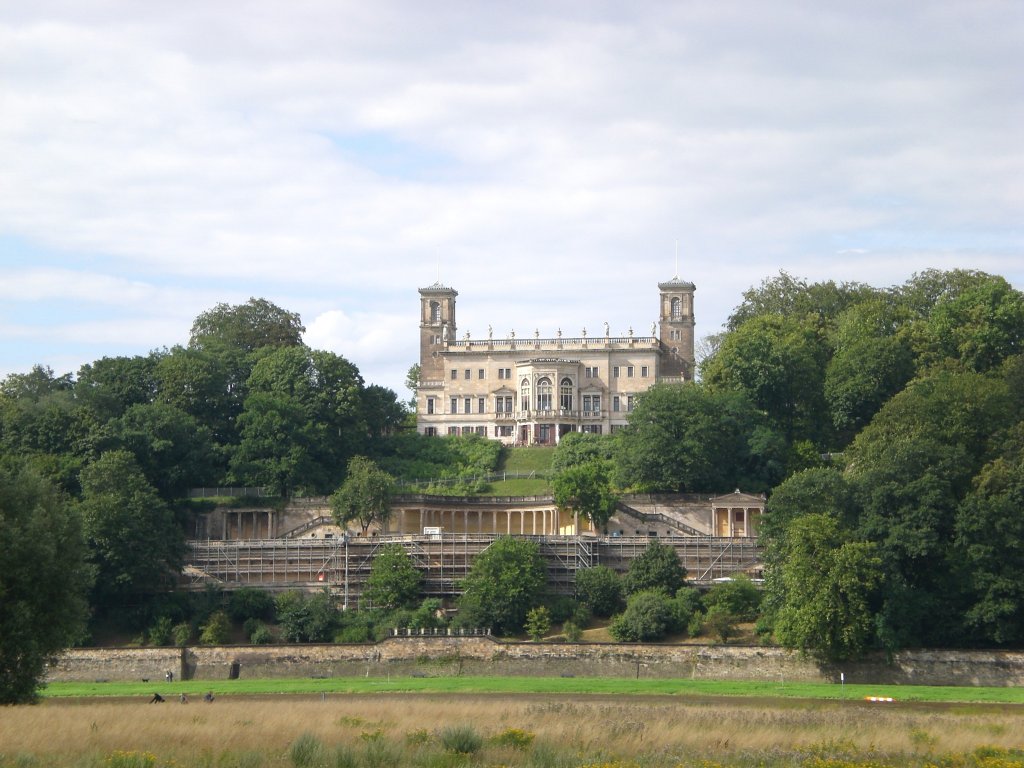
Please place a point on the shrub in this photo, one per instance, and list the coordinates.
(513, 737)
(216, 630)
(600, 589)
(561, 608)
(182, 633)
(162, 631)
(721, 622)
(538, 623)
(648, 616)
(251, 603)
(739, 596)
(572, 632)
(306, 751)
(462, 739)
(261, 635)
(657, 567)
(685, 605)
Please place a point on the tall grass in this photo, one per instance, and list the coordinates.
(399, 730)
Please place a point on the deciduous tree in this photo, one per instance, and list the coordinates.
(44, 580)
(507, 580)
(394, 580)
(364, 496)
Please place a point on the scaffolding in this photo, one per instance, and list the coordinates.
(343, 565)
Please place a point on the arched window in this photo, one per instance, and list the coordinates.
(435, 312)
(524, 394)
(544, 394)
(565, 394)
(677, 309)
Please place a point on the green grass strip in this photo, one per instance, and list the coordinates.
(542, 685)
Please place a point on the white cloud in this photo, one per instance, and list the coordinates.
(328, 155)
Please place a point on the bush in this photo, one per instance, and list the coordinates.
(572, 632)
(181, 634)
(538, 623)
(251, 603)
(261, 635)
(162, 631)
(600, 589)
(648, 616)
(216, 630)
(513, 737)
(738, 596)
(658, 567)
(462, 739)
(561, 608)
(685, 605)
(721, 622)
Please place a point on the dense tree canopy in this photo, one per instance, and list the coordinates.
(44, 580)
(504, 583)
(365, 496)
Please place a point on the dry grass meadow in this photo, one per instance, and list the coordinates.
(525, 730)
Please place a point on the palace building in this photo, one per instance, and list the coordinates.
(531, 391)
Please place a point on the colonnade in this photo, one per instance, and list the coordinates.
(544, 520)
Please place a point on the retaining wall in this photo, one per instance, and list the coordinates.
(445, 656)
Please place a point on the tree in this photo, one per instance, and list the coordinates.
(507, 580)
(111, 385)
(980, 327)
(134, 542)
(873, 359)
(648, 616)
(795, 297)
(600, 589)
(364, 496)
(173, 450)
(587, 489)
(302, 420)
(412, 383)
(538, 622)
(657, 567)
(44, 580)
(910, 470)
(989, 540)
(307, 619)
(828, 581)
(721, 622)
(778, 362)
(247, 327)
(394, 580)
(684, 437)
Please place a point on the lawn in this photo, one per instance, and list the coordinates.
(545, 685)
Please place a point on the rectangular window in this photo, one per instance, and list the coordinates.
(468, 403)
(629, 371)
(615, 403)
(480, 373)
(629, 403)
(482, 431)
(455, 374)
(453, 430)
(644, 371)
(430, 405)
(480, 405)
(615, 372)
(592, 372)
(503, 431)
(455, 405)
(430, 431)
(469, 374)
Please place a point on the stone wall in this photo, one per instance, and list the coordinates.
(441, 655)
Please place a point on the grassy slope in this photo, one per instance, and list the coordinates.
(520, 685)
(523, 460)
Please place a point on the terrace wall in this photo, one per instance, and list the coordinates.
(445, 655)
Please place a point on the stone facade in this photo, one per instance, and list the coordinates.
(531, 391)
(443, 655)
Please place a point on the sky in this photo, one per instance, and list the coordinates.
(552, 161)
